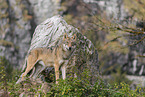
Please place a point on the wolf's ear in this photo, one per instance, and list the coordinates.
(65, 36)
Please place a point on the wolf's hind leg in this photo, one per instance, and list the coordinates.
(39, 69)
(30, 65)
(33, 70)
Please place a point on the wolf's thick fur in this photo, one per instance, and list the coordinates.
(52, 57)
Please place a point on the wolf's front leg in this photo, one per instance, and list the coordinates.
(56, 72)
(63, 69)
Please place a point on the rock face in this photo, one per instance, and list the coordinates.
(15, 30)
(18, 19)
(112, 8)
(44, 9)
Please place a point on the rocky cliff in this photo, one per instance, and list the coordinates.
(18, 19)
(16, 28)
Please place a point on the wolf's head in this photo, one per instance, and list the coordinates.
(69, 43)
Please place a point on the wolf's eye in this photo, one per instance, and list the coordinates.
(67, 42)
(73, 43)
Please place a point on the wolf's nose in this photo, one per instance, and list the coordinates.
(69, 48)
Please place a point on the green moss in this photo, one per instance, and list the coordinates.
(3, 15)
(19, 26)
(135, 8)
(3, 4)
(26, 16)
(6, 43)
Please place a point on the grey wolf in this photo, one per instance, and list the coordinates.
(52, 57)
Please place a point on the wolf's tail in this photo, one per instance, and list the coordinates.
(24, 66)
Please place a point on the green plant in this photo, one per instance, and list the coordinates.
(71, 87)
(118, 77)
(4, 67)
(82, 87)
(7, 76)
